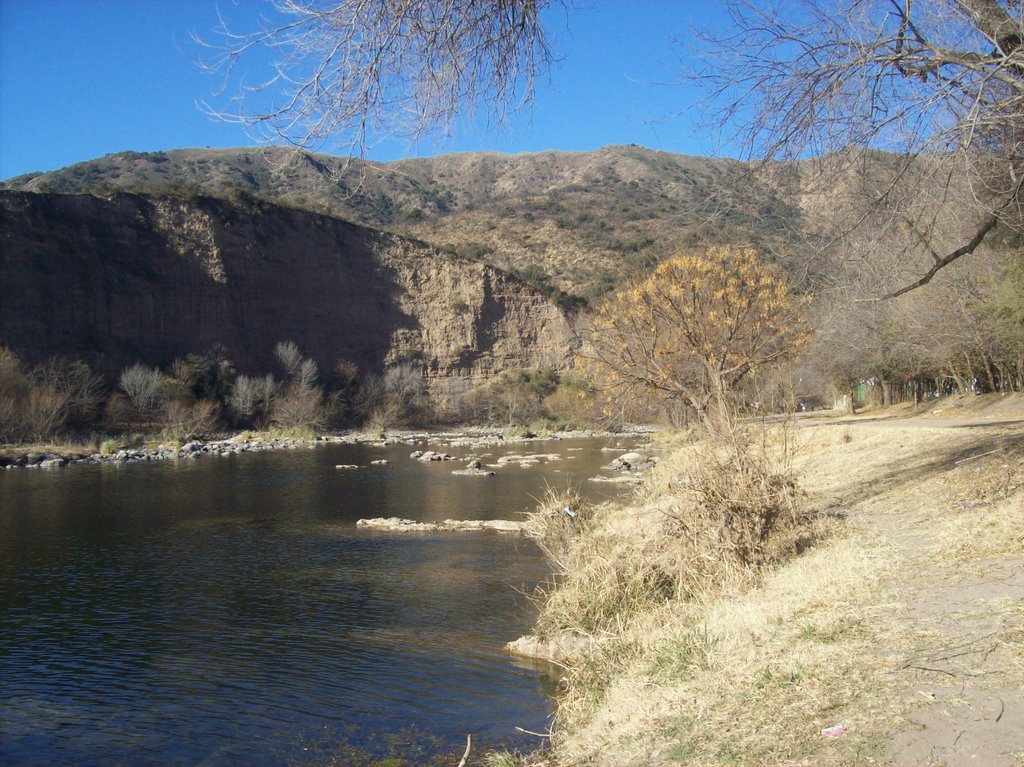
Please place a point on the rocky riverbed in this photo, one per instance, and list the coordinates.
(246, 443)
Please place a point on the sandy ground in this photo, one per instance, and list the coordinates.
(947, 489)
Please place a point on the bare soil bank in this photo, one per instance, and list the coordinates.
(899, 640)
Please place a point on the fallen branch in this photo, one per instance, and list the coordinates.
(465, 756)
(531, 732)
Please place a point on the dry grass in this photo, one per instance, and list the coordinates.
(985, 507)
(70, 448)
(713, 521)
(602, 577)
(747, 679)
(749, 668)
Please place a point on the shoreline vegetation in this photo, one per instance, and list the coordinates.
(881, 626)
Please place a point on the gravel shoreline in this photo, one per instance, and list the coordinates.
(468, 437)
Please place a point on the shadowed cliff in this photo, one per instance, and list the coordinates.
(139, 278)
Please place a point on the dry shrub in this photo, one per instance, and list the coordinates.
(601, 578)
(185, 421)
(43, 413)
(29, 411)
(728, 512)
(605, 590)
(739, 509)
(557, 523)
(383, 415)
(299, 409)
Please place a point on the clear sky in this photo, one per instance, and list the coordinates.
(84, 78)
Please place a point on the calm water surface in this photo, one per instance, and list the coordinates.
(227, 610)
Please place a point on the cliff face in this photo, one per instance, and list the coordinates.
(133, 278)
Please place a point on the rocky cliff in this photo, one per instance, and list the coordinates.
(136, 278)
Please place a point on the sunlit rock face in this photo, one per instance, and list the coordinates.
(136, 278)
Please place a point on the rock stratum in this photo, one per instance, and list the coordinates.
(133, 278)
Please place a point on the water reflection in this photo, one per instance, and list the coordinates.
(227, 610)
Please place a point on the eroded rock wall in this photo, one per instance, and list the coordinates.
(135, 278)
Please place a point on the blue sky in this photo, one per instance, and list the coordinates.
(84, 78)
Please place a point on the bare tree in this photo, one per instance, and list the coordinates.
(288, 354)
(307, 374)
(145, 389)
(251, 397)
(299, 408)
(187, 420)
(347, 69)
(299, 371)
(937, 83)
(406, 382)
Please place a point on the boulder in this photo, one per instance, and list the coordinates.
(631, 461)
(557, 649)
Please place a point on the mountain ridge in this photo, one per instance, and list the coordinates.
(567, 221)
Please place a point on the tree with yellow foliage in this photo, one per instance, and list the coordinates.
(694, 328)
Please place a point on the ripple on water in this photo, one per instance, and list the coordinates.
(226, 612)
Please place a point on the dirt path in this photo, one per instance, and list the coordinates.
(948, 494)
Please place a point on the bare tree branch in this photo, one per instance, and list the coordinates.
(963, 250)
(938, 84)
(352, 71)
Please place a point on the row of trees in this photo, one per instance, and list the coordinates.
(964, 334)
(201, 394)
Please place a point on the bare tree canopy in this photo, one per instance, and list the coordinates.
(939, 83)
(350, 70)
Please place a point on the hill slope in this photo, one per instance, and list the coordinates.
(571, 221)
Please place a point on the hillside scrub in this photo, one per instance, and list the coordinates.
(844, 625)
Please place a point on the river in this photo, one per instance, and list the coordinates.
(226, 610)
